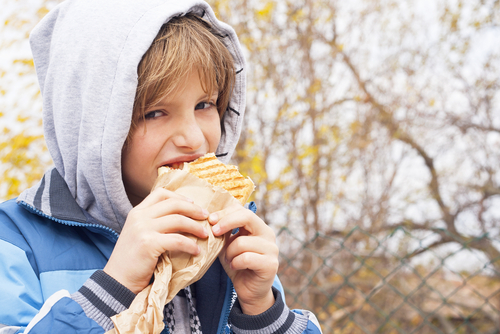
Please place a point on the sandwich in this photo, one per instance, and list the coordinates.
(210, 169)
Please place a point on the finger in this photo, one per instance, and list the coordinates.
(263, 265)
(179, 224)
(216, 216)
(177, 206)
(178, 242)
(242, 244)
(161, 194)
(245, 219)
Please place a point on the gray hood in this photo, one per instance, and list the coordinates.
(86, 54)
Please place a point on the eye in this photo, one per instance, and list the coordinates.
(204, 105)
(154, 114)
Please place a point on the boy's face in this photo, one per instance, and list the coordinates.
(180, 128)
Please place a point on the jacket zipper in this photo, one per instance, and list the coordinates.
(67, 222)
(229, 300)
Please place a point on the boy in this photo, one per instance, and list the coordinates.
(128, 87)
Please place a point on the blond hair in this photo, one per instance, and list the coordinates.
(184, 44)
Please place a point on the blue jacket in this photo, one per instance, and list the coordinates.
(44, 259)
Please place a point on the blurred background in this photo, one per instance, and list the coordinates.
(373, 135)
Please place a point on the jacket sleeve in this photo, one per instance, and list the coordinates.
(277, 319)
(86, 311)
(23, 308)
(102, 297)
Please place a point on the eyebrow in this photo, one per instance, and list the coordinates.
(213, 94)
(203, 97)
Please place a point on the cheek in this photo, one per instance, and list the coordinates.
(137, 172)
(213, 134)
(128, 164)
(136, 155)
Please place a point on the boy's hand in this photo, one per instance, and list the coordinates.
(153, 227)
(250, 257)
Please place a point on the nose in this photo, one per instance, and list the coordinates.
(188, 134)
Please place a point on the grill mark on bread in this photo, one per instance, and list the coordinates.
(210, 169)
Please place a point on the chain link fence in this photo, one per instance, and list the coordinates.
(392, 282)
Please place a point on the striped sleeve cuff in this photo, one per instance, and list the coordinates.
(102, 297)
(277, 319)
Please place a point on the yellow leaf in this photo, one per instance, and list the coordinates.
(315, 87)
(22, 119)
(42, 11)
(266, 12)
(248, 41)
(297, 15)
(355, 126)
(324, 129)
(28, 62)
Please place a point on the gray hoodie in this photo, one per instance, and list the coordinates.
(86, 61)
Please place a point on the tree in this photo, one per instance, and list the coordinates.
(23, 154)
(361, 114)
(374, 114)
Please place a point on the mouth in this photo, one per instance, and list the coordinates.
(178, 162)
(175, 165)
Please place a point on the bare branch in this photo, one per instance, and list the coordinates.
(386, 119)
(464, 126)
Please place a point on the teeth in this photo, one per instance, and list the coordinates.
(176, 165)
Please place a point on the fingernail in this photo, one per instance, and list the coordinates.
(216, 229)
(205, 231)
(199, 249)
(189, 200)
(225, 259)
(205, 212)
(213, 218)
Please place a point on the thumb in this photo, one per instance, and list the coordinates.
(216, 216)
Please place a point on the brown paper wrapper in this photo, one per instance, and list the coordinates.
(175, 271)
